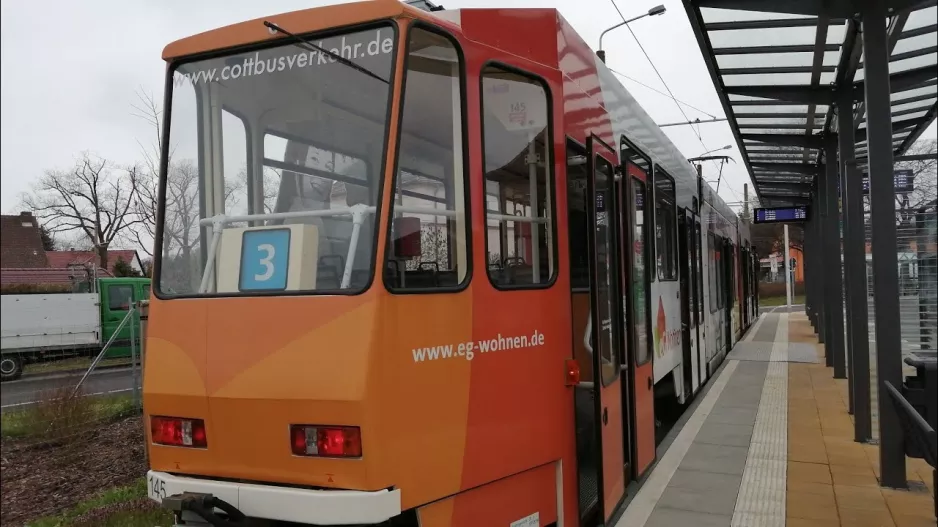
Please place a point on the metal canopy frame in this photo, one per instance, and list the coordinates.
(792, 80)
(778, 67)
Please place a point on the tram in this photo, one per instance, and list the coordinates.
(422, 267)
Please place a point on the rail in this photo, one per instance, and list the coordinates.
(918, 431)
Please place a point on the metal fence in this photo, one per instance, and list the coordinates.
(72, 427)
(66, 393)
(917, 261)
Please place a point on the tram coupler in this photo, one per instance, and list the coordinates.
(203, 507)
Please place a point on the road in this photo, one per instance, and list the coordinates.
(17, 394)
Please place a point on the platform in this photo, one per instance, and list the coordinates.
(770, 443)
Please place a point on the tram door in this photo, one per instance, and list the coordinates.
(606, 321)
(727, 250)
(642, 366)
(697, 244)
(687, 249)
(745, 260)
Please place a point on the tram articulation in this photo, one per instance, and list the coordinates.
(422, 268)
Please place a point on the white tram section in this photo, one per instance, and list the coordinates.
(628, 119)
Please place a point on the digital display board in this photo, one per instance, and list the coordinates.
(903, 180)
(781, 214)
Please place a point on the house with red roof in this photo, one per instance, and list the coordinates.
(72, 258)
(24, 260)
(21, 242)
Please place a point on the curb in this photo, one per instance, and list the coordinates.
(73, 371)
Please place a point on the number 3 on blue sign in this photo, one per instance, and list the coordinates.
(265, 257)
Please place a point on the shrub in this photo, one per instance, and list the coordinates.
(34, 289)
(58, 414)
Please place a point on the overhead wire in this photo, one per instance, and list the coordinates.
(668, 88)
(659, 92)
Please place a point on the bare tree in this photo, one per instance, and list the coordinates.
(181, 219)
(94, 197)
(271, 183)
(924, 172)
(145, 205)
(924, 189)
(181, 212)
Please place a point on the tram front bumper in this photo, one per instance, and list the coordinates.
(270, 502)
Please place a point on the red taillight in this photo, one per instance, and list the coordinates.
(326, 441)
(572, 373)
(176, 431)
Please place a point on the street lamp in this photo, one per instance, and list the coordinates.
(657, 10)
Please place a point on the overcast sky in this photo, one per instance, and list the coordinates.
(70, 71)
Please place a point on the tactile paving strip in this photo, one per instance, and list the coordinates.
(761, 499)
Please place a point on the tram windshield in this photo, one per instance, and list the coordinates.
(275, 163)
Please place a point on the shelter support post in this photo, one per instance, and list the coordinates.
(820, 232)
(883, 229)
(809, 270)
(855, 273)
(833, 279)
(817, 285)
(846, 155)
(788, 270)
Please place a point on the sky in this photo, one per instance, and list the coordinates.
(70, 73)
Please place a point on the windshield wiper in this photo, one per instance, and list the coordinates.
(339, 58)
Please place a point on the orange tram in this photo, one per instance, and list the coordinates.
(422, 267)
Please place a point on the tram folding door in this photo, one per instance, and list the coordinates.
(687, 250)
(643, 396)
(606, 323)
(727, 250)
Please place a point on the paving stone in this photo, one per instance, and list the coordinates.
(714, 499)
(715, 458)
(733, 415)
(724, 434)
(695, 479)
(668, 517)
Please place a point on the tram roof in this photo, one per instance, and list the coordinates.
(777, 67)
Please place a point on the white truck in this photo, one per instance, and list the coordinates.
(34, 325)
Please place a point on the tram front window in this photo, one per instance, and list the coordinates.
(275, 161)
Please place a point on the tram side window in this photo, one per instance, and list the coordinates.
(665, 226)
(428, 247)
(578, 217)
(721, 272)
(640, 273)
(631, 156)
(699, 271)
(714, 272)
(732, 268)
(518, 180)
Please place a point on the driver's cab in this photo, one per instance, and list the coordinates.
(276, 166)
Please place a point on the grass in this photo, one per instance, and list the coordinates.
(73, 363)
(145, 517)
(59, 414)
(773, 301)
